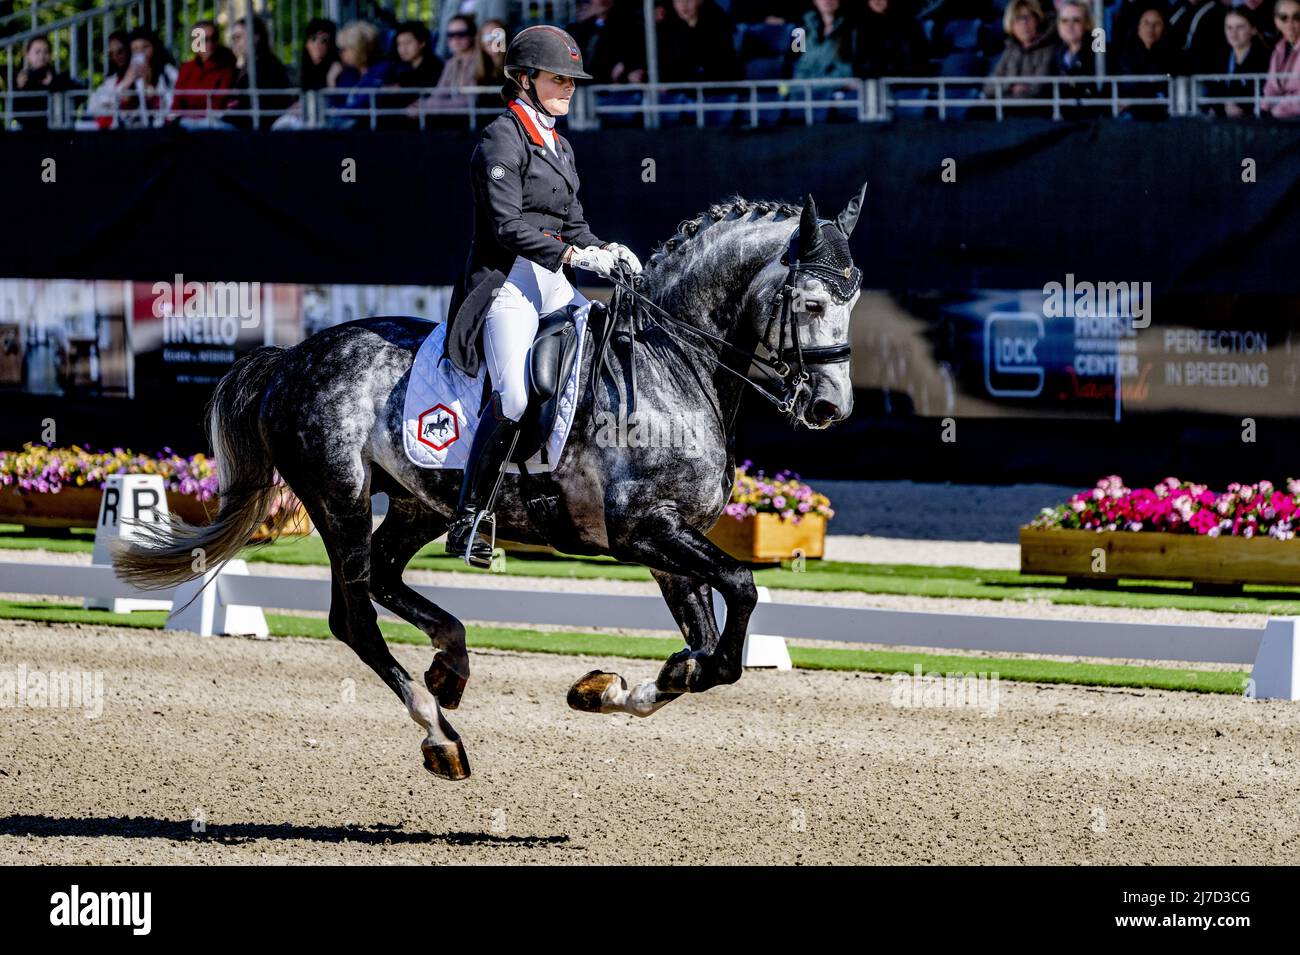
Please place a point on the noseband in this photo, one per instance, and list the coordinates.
(787, 365)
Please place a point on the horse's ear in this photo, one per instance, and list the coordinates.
(810, 236)
(847, 219)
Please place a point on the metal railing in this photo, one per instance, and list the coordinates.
(129, 109)
(471, 105)
(755, 102)
(1113, 94)
(757, 99)
(1203, 97)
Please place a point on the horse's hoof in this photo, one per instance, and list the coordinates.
(588, 693)
(446, 685)
(448, 760)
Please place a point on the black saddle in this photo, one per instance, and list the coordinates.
(550, 361)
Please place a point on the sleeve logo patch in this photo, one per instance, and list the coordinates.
(497, 171)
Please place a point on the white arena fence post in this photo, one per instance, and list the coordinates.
(760, 650)
(1276, 675)
(201, 607)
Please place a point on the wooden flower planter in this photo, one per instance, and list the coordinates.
(71, 507)
(1213, 564)
(766, 538)
(79, 507)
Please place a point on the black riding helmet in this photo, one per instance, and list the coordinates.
(543, 48)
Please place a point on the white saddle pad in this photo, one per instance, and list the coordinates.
(441, 408)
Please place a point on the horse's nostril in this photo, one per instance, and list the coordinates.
(825, 410)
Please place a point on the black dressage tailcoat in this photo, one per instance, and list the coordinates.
(525, 203)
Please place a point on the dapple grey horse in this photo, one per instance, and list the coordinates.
(730, 289)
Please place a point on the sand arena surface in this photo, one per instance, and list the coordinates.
(292, 751)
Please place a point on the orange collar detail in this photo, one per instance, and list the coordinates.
(523, 117)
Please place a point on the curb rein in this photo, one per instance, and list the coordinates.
(779, 370)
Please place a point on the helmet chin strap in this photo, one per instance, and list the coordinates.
(537, 103)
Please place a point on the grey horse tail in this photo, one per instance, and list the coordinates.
(165, 555)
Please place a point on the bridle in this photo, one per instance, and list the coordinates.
(786, 365)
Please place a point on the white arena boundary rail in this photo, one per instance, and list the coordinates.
(1273, 649)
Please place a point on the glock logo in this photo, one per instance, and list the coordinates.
(1011, 364)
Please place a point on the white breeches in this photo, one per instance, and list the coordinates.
(529, 292)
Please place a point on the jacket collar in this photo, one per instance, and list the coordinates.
(544, 123)
(561, 159)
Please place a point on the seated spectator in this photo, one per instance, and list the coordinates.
(1149, 50)
(38, 76)
(319, 66)
(1125, 22)
(142, 96)
(416, 69)
(364, 68)
(1196, 30)
(490, 69)
(695, 44)
(1284, 64)
(213, 68)
(611, 35)
(829, 43)
(479, 11)
(119, 53)
(417, 66)
(1261, 15)
(1029, 51)
(1149, 53)
(890, 43)
(1074, 56)
(1244, 53)
(457, 72)
(271, 75)
(493, 41)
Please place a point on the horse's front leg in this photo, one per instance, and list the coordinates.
(687, 565)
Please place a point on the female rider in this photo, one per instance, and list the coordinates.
(529, 233)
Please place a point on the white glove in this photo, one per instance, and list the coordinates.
(594, 259)
(625, 255)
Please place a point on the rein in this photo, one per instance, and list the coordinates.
(779, 370)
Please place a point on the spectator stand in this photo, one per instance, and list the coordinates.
(963, 37)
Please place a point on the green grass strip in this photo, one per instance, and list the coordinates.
(658, 648)
(911, 580)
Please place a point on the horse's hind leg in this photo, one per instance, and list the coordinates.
(408, 527)
(345, 529)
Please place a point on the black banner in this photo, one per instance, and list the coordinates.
(1187, 205)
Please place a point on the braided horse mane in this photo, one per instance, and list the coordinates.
(734, 208)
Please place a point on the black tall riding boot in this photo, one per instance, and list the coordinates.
(494, 439)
